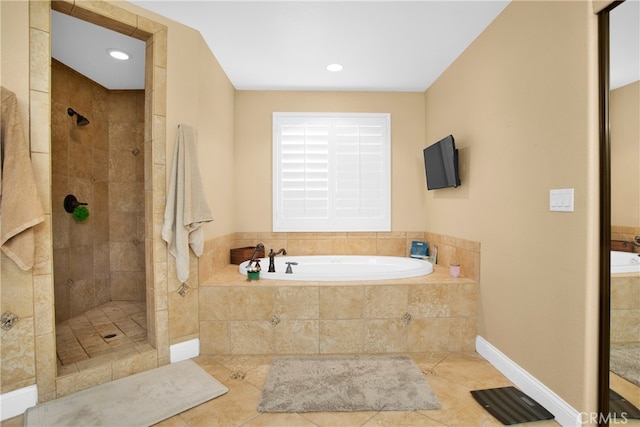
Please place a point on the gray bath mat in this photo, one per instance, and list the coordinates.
(511, 406)
(343, 384)
(138, 400)
(625, 361)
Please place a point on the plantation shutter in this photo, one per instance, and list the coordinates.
(331, 172)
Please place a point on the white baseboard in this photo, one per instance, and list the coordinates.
(184, 350)
(564, 413)
(15, 402)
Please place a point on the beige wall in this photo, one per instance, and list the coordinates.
(199, 93)
(254, 155)
(625, 156)
(501, 102)
(521, 102)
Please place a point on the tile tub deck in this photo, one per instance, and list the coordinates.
(420, 314)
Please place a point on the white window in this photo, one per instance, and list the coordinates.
(331, 172)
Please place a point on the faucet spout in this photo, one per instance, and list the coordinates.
(254, 257)
(272, 255)
(259, 248)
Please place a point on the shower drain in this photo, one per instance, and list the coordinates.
(110, 336)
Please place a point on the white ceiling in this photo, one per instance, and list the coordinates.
(625, 43)
(286, 45)
(383, 45)
(82, 46)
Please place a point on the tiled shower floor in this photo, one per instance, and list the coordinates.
(104, 332)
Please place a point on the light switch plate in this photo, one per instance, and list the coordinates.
(561, 200)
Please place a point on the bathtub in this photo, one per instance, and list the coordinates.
(338, 268)
(624, 262)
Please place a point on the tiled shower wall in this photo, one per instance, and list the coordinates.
(79, 167)
(102, 258)
(126, 195)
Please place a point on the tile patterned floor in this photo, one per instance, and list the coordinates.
(101, 331)
(628, 390)
(451, 375)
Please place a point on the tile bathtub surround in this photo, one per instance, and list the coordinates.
(625, 308)
(215, 255)
(393, 243)
(626, 234)
(430, 313)
(625, 312)
(625, 295)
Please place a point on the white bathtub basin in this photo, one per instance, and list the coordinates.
(337, 268)
(624, 262)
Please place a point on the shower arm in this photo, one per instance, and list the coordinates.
(81, 120)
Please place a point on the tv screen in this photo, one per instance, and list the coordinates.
(441, 164)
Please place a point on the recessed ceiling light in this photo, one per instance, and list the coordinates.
(118, 54)
(334, 67)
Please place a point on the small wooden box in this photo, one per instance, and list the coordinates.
(621, 245)
(240, 255)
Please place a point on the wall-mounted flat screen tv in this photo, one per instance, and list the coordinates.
(441, 164)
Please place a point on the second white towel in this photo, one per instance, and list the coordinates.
(186, 209)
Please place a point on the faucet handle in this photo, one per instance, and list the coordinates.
(289, 264)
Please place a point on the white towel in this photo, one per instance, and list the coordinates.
(20, 206)
(186, 210)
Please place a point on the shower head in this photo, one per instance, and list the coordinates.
(81, 120)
